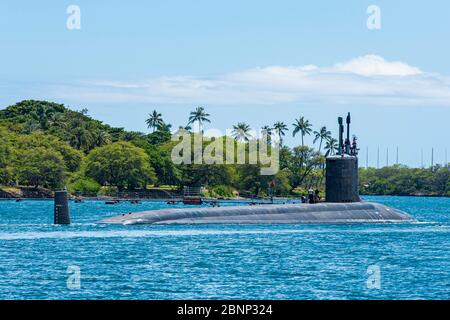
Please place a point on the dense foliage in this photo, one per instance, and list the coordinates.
(401, 180)
(45, 144)
(36, 159)
(120, 164)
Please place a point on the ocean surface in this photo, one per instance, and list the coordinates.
(86, 260)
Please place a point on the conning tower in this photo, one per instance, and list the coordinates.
(342, 169)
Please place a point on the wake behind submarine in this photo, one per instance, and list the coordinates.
(342, 202)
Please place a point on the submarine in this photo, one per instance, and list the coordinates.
(342, 202)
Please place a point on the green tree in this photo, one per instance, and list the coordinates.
(331, 147)
(159, 137)
(101, 138)
(266, 132)
(72, 158)
(282, 183)
(160, 159)
(303, 163)
(120, 164)
(81, 134)
(205, 175)
(241, 132)
(441, 181)
(187, 128)
(303, 126)
(199, 115)
(280, 129)
(165, 127)
(132, 136)
(154, 120)
(267, 129)
(250, 182)
(27, 159)
(40, 167)
(5, 155)
(321, 135)
(79, 183)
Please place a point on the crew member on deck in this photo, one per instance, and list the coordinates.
(311, 198)
(316, 196)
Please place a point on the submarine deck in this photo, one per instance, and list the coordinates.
(320, 213)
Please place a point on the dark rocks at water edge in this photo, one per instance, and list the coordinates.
(25, 193)
(320, 213)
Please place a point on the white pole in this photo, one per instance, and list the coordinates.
(432, 158)
(378, 158)
(387, 157)
(396, 158)
(421, 158)
(446, 161)
(367, 157)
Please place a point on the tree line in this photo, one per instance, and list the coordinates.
(401, 180)
(48, 145)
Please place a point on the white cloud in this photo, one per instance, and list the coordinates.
(372, 65)
(366, 80)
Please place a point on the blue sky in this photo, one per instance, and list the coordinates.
(252, 61)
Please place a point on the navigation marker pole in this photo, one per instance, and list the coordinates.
(61, 215)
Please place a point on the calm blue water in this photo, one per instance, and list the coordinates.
(221, 261)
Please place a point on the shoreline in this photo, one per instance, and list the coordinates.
(24, 192)
(18, 199)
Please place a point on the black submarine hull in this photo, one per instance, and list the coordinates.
(320, 213)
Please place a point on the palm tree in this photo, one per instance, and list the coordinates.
(321, 135)
(101, 138)
(43, 114)
(31, 125)
(266, 132)
(241, 132)
(154, 120)
(280, 128)
(132, 135)
(164, 127)
(82, 138)
(186, 129)
(331, 146)
(81, 133)
(303, 126)
(200, 116)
